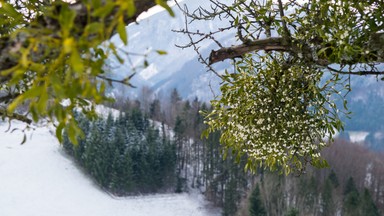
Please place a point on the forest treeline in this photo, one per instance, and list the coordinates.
(352, 186)
(155, 145)
(125, 154)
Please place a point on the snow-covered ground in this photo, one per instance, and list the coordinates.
(37, 179)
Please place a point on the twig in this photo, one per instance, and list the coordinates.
(15, 116)
(358, 73)
(123, 81)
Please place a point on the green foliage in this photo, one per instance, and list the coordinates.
(277, 106)
(356, 203)
(351, 198)
(328, 202)
(368, 207)
(125, 155)
(256, 206)
(333, 178)
(60, 54)
(276, 115)
(292, 212)
(230, 199)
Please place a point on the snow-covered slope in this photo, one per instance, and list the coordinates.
(37, 179)
(179, 68)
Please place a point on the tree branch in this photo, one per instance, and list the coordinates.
(358, 73)
(287, 34)
(15, 116)
(8, 97)
(269, 44)
(375, 45)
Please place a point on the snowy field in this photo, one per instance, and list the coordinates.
(37, 179)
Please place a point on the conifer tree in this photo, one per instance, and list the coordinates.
(328, 205)
(351, 198)
(368, 207)
(230, 198)
(256, 205)
(292, 212)
(333, 178)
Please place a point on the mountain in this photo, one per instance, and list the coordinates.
(179, 68)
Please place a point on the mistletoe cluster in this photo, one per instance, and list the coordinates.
(280, 116)
(282, 103)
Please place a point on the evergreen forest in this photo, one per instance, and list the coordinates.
(155, 146)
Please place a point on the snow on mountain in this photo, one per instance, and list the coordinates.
(179, 68)
(37, 179)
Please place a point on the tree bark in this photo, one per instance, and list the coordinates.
(269, 44)
(375, 45)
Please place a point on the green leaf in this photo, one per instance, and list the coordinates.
(24, 59)
(66, 19)
(321, 51)
(35, 115)
(131, 9)
(122, 31)
(104, 10)
(9, 10)
(164, 4)
(76, 61)
(31, 93)
(59, 131)
(42, 105)
(94, 27)
(161, 52)
(74, 132)
(68, 44)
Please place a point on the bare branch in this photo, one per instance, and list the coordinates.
(278, 44)
(8, 97)
(15, 116)
(269, 44)
(357, 73)
(124, 81)
(287, 34)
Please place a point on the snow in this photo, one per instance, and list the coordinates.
(38, 179)
(104, 111)
(179, 68)
(358, 136)
(154, 10)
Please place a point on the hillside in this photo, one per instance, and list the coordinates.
(38, 179)
(180, 69)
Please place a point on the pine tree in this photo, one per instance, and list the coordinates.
(230, 198)
(328, 206)
(174, 109)
(138, 120)
(256, 206)
(155, 110)
(292, 212)
(333, 178)
(311, 193)
(125, 155)
(351, 198)
(368, 207)
(179, 140)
